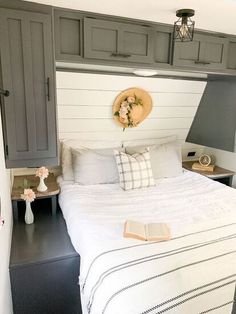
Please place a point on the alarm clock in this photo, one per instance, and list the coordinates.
(205, 160)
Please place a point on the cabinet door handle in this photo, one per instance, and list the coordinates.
(122, 55)
(201, 62)
(4, 92)
(48, 88)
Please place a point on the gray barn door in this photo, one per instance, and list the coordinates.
(28, 73)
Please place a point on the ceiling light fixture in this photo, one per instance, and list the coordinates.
(145, 72)
(184, 27)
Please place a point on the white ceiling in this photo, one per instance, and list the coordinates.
(214, 15)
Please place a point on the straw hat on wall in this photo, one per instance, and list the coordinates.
(131, 107)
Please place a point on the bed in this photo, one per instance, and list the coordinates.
(194, 272)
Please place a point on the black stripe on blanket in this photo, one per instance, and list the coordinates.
(157, 257)
(157, 276)
(149, 243)
(191, 297)
(194, 296)
(217, 307)
(186, 293)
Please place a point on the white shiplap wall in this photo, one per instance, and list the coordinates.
(85, 107)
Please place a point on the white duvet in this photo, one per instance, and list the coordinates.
(195, 272)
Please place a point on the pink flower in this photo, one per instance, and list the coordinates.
(42, 172)
(124, 104)
(28, 195)
(130, 99)
(123, 120)
(123, 112)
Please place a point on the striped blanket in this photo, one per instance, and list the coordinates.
(192, 273)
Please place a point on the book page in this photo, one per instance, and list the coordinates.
(157, 231)
(134, 229)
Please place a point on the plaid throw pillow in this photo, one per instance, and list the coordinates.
(134, 170)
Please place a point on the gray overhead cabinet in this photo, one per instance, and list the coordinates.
(101, 39)
(117, 41)
(29, 112)
(205, 52)
(68, 35)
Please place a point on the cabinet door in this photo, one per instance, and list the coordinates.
(28, 73)
(163, 45)
(117, 41)
(68, 35)
(205, 52)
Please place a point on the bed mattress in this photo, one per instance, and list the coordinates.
(194, 272)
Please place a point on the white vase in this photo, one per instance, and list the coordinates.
(29, 216)
(42, 186)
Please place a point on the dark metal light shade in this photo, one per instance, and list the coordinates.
(184, 27)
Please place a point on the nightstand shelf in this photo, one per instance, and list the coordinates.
(219, 174)
(17, 189)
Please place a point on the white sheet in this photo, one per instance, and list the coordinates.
(95, 217)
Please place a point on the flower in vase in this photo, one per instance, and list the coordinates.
(28, 195)
(42, 172)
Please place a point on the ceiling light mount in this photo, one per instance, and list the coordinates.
(184, 27)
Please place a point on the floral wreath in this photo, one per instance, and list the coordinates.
(126, 106)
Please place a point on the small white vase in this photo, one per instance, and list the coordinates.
(42, 186)
(29, 216)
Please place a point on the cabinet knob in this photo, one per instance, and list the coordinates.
(4, 92)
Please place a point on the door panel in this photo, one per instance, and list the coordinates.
(68, 35)
(137, 41)
(109, 42)
(101, 38)
(213, 52)
(187, 53)
(39, 91)
(14, 80)
(163, 45)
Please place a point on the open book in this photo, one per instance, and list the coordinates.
(148, 232)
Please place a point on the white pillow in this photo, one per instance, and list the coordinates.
(135, 171)
(94, 166)
(166, 159)
(150, 141)
(66, 157)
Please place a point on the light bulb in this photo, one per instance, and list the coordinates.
(183, 30)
